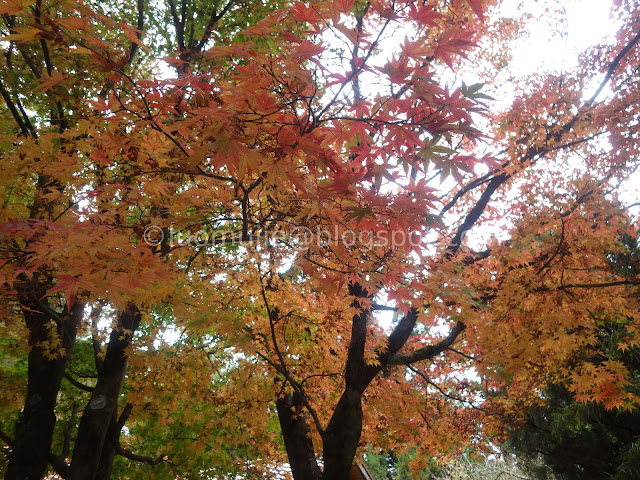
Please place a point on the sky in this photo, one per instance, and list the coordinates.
(586, 23)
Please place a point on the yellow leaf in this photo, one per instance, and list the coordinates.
(46, 82)
(23, 34)
(13, 7)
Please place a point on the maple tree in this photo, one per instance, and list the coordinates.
(304, 169)
(586, 440)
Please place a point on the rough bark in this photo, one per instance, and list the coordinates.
(112, 443)
(341, 437)
(34, 431)
(102, 407)
(297, 440)
(108, 454)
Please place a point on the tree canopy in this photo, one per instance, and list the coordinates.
(237, 234)
(587, 440)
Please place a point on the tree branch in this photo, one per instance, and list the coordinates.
(139, 26)
(464, 355)
(399, 336)
(95, 316)
(570, 286)
(77, 384)
(124, 416)
(139, 458)
(177, 24)
(556, 252)
(445, 394)
(613, 66)
(355, 355)
(52, 313)
(6, 438)
(282, 368)
(43, 42)
(32, 66)
(467, 188)
(430, 351)
(215, 17)
(14, 112)
(379, 307)
(590, 285)
(122, 419)
(59, 465)
(476, 212)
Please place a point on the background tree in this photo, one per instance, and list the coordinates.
(458, 467)
(586, 440)
(391, 466)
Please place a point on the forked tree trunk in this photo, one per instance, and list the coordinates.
(341, 437)
(339, 440)
(102, 407)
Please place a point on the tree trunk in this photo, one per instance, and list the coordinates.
(108, 450)
(341, 437)
(102, 406)
(112, 443)
(32, 444)
(297, 438)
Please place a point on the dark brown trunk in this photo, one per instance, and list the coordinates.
(112, 443)
(341, 437)
(108, 450)
(34, 431)
(297, 439)
(102, 406)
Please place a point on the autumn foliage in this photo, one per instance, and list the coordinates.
(236, 235)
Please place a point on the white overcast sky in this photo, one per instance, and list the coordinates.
(586, 22)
